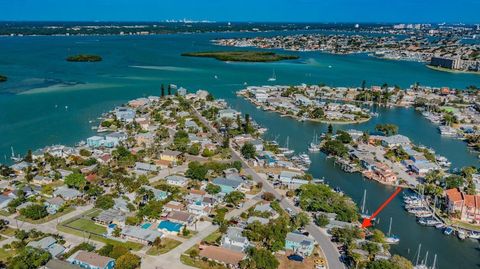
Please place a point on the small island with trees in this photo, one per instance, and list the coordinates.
(242, 56)
(3, 78)
(84, 58)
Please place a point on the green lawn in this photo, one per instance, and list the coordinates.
(213, 237)
(167, 245)
(47, 218)
(5, 254)
(5, 213)
(8, 231)
(190, 235)
(87, 225)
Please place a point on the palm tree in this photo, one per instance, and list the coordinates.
(226, 122)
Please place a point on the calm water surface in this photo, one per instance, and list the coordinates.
(49, 101)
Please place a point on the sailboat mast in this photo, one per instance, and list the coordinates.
(418, 254)
(434, 261)
(390, 227)
(13, 153)
(364, 199)
(426, 258)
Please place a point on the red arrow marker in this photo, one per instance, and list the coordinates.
(368, 222)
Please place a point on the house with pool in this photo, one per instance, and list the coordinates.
(227, 185)
(142, 234)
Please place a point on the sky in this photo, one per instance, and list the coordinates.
(450, 11)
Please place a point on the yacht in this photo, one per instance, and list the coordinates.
(286, 151)
(448, 231)
(314, 146)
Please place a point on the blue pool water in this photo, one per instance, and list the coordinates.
(146, 225)
(170, 226)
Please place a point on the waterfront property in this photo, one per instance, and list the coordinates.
(463, 206)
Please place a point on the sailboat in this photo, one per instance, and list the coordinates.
(364, 214)
(286, 150)
(15, 159)
(314, 147)
(273, 77)
(391, 239)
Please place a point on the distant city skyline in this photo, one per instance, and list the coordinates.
(355, 11)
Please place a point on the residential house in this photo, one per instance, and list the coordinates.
(121, 204)
(199, 209)
(466, 205)
(144, 236)
(91, 260)
(54, 204)
(291, 179)
(222, 255)
(4, 201)
(395, 141)
(41, 180)
(228, 113)
(252, 219)
(227, 185)
(234, 240)
(59, 264)
(181, 217)
(125, 114)
(299, 243)
(157, 194)
(173, 206)
(144, 168)
(67, 193)
(170, 155)
(177, 180)
(48, 244)
(110, 216)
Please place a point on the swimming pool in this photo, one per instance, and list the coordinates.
(146, 225)
(170, 226)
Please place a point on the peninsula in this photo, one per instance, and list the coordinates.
(3, 78)
(242, 56)
(84, 58)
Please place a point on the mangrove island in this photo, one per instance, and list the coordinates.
(84, 58)
(242, 56)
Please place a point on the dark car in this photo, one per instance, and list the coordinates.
(296, 257)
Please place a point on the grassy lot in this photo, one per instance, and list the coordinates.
(197, 262)
(91, 213)
(212, 238)
(5, 254)
(167, 245)
(5, 213)
(8, 231)
(190, 235)
(87, 226)
(47, 218)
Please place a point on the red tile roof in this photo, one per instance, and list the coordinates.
(454, 195)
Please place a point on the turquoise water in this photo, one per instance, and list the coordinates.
(146, 225)
(136, 66)
(170, 226)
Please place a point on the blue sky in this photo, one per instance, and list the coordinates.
(243, 10)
